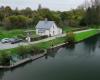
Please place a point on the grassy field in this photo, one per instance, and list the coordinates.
(12, 33)
(84, 35)
(68, 29)
(51, 43)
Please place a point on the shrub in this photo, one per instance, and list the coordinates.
(22, 50)
(39, 38)
(34, 50)
(70, 38)
(21, 36)
(4, 58)
(26, 50)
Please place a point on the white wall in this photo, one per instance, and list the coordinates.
(54, 30)
(46, 32)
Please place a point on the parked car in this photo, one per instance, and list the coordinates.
(11, 40)
(5, 40)
(16, 41)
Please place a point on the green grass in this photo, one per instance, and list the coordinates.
(12, 33)
(83, 35)
(68, 29)
(51, 43)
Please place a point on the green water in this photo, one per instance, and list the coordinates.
(81, 62)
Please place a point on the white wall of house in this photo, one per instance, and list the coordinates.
(54, 30)
(46, 32)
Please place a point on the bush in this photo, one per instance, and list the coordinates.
(22, 50)
(21, 36)
(70, 38)
(39, 38)
(26, 50)
(34, 50)
(4, 58)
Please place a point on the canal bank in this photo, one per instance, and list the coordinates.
(24, 61)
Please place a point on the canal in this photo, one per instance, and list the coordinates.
(81, 62)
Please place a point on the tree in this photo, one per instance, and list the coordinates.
(70, 39)
(7, 11)
(1, 16)
(92, 15)
(16, 11)
(27, 12)
(12, 22)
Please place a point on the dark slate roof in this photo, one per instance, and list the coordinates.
(45, 24)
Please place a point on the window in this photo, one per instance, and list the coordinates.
(54, 32)
(53, 27)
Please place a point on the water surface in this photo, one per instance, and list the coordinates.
(82, 62)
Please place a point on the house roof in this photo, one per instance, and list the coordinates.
(45, 24)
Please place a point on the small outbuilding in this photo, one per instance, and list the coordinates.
(48, 28)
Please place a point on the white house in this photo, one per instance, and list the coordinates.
(48, 28)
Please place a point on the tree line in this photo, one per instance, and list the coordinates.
(25, 18)
(92, 14)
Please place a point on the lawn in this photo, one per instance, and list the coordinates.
(68, 29)
(12, 33)
(83, 35)
(51, 43)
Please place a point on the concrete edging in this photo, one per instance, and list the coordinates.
(24, 61)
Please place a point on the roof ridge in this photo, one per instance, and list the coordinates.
(45, 25)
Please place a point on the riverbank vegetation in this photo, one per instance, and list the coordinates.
(10, 56)
(70, 38)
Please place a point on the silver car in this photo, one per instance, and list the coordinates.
(5, 40)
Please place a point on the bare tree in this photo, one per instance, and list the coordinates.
(95, 3)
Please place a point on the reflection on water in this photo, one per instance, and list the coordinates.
(80, 62)
(90, 44)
